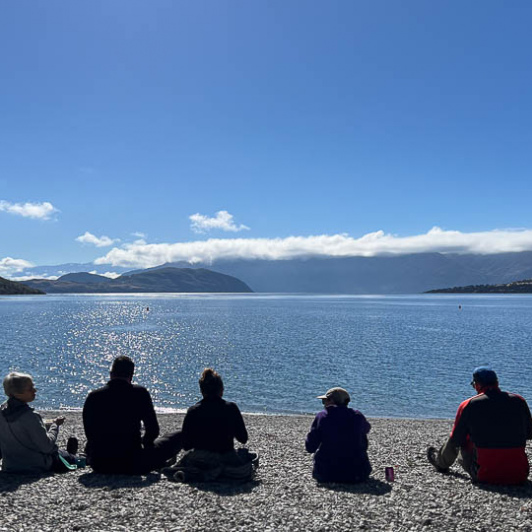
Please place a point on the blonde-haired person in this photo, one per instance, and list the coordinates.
(209, 430)
(25, 444)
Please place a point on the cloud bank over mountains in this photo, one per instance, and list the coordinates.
(8, 265)
(141, 254)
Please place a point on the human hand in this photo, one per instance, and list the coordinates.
(59, 420)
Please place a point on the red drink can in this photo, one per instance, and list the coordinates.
(389, 474)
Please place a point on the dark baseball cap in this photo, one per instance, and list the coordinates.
(484, 376)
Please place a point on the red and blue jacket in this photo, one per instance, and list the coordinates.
(494, 426)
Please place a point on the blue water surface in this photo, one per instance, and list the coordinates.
(399, 356)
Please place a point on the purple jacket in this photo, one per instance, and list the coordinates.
(338, 436)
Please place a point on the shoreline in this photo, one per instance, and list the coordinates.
(183, 411)
(283, 495)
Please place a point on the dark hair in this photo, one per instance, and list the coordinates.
(122, 367)
(210, 383)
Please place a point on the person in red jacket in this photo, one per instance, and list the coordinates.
(489, 434)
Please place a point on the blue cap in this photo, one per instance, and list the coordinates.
(484, 376)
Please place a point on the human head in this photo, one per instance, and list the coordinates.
(335, 396)
(484, 376)
(211, 384)
(20, 386)
(122, 368)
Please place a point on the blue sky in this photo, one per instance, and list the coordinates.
(133, 133)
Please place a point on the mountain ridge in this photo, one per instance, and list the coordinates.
(162, 280)
(11, 288)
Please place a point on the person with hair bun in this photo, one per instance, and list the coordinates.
(209, 430)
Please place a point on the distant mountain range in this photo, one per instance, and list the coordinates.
(518, 287)
(10, 288)
(404, 274)
(161, 280)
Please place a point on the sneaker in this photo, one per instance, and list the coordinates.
(179, 476)
(432, 457)
(72, 445)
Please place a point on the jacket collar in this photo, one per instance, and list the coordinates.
(13, 408)
(489, 388)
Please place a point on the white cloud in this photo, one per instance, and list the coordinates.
(100, 242)
(143, 255)
(111, 275)
(35, 276)
(41, 211)
(223, 221)
(9, 266)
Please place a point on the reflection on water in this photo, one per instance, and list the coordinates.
(407, 356)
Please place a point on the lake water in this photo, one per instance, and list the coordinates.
(405, 356)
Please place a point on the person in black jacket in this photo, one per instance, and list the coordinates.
(213, 423)
(112, 418)
(209, 430)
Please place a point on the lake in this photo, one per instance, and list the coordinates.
(398, 356)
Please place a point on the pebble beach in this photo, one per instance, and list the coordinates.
(283, 495)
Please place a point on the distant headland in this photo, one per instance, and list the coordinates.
(517, 287)
(11, 288)
(161, 280)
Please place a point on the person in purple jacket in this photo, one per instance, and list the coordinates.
(338, 436)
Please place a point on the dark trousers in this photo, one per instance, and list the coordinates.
(141, 462)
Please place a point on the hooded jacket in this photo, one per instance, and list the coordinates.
(26, 445)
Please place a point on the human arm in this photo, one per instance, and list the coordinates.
(313, 440)
(39, 438)
(240, 432)
(149, 419)
(188, 432)
(460, 432)
(90, 418)
(528, 421)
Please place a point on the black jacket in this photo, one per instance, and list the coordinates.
(112, 417)
(212, 424)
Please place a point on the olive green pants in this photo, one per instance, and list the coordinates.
(449, 453)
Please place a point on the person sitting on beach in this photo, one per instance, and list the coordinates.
(338, 437)
(26, 445)
(489, 434)
(209, 430)
(112, 418)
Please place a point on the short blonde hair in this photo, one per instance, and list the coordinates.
(16, 383)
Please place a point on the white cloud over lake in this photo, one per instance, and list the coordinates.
(222, 221)
(42, 211)
(9, 266)
(143, 255)
(100, 242)
(22, 278)
(111, 275)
